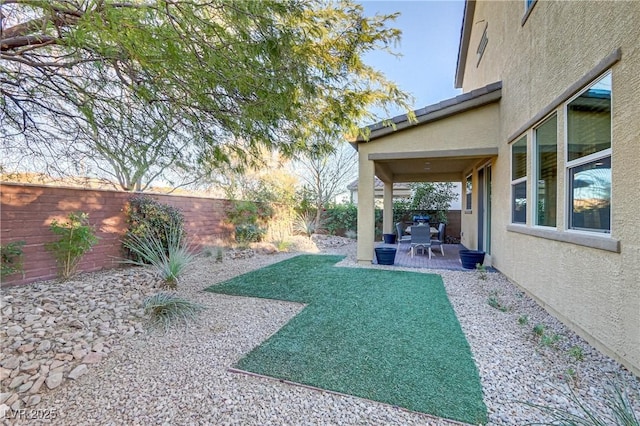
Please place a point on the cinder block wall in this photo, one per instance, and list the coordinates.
(27, 211)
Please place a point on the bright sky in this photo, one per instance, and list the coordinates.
(429, 45)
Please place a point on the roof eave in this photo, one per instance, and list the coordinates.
(465, 35)
(464, 102)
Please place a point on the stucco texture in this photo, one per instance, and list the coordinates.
(594, 291)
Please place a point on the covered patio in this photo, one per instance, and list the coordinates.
(450, 261)
(452, 141)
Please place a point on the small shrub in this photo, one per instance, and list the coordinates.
(482, 271)
(249, 234)
(76, 238)
(523, 320)
(350, 233)
(549, 340)
(219, 255)
(170, 255)
(576, 353)
(494, 302)
(165, 310)
(572, 376)
(145, 217)
(282, 245)
(11, 256)
(538, 330)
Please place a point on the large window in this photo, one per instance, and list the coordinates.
(546, 172)
(519, 181)
(589, 157)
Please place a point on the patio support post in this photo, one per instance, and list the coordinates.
(387, 212)
(366, 216)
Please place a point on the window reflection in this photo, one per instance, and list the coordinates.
(591, 195)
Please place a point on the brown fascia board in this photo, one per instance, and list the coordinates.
(465, 35)
(467, 101)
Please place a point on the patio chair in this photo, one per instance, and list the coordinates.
(440, 240)
(401, 238)
(420, 238)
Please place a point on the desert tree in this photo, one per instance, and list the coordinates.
(326, 175)
(202, 81)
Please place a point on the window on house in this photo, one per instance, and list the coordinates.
(546, 172)
(483, 44)
(519, 181)
(589, 157)
(469, 189)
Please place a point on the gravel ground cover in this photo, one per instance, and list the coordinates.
(107, 368)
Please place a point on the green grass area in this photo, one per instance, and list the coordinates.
(390, 336)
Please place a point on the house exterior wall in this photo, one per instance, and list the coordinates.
(594, 291)
(27, 212)
(457, 131)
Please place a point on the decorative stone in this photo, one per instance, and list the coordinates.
(54, 380)
(14, 330)
(17, 381)
(30, 366)
(38, 384)
(4, 396)
(13, 398)
(79, 353)
(78, 371)
(76, 324)
(33, 400)
(92, 358)
(17, 405)
(44, 346)
(26, 348)
(56, 363)
(25, 387)
(4, 373)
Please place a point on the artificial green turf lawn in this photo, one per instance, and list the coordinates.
(389, 336)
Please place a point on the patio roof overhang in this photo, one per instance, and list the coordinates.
(444, 141)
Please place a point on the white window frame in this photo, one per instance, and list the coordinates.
(519, 180)
(534, 170)
(568, 165)
(468, 196)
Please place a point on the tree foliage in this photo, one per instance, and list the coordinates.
(432, 196)
(185, 87)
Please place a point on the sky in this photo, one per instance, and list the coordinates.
(429, 45)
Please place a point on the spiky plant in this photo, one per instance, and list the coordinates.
(166, 309)
(305, 223)
(617, 400)
(170, 258)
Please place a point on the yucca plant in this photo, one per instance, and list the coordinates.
(165, 310)
(618, 402)
(170, 256)
(305, 223)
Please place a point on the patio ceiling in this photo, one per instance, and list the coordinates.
(432, 166)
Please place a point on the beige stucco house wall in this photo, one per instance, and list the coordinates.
(543, 57)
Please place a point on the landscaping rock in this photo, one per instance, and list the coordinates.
(146, 376)
(78, 371)
(54, 380)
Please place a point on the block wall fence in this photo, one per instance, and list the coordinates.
(26, 211)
